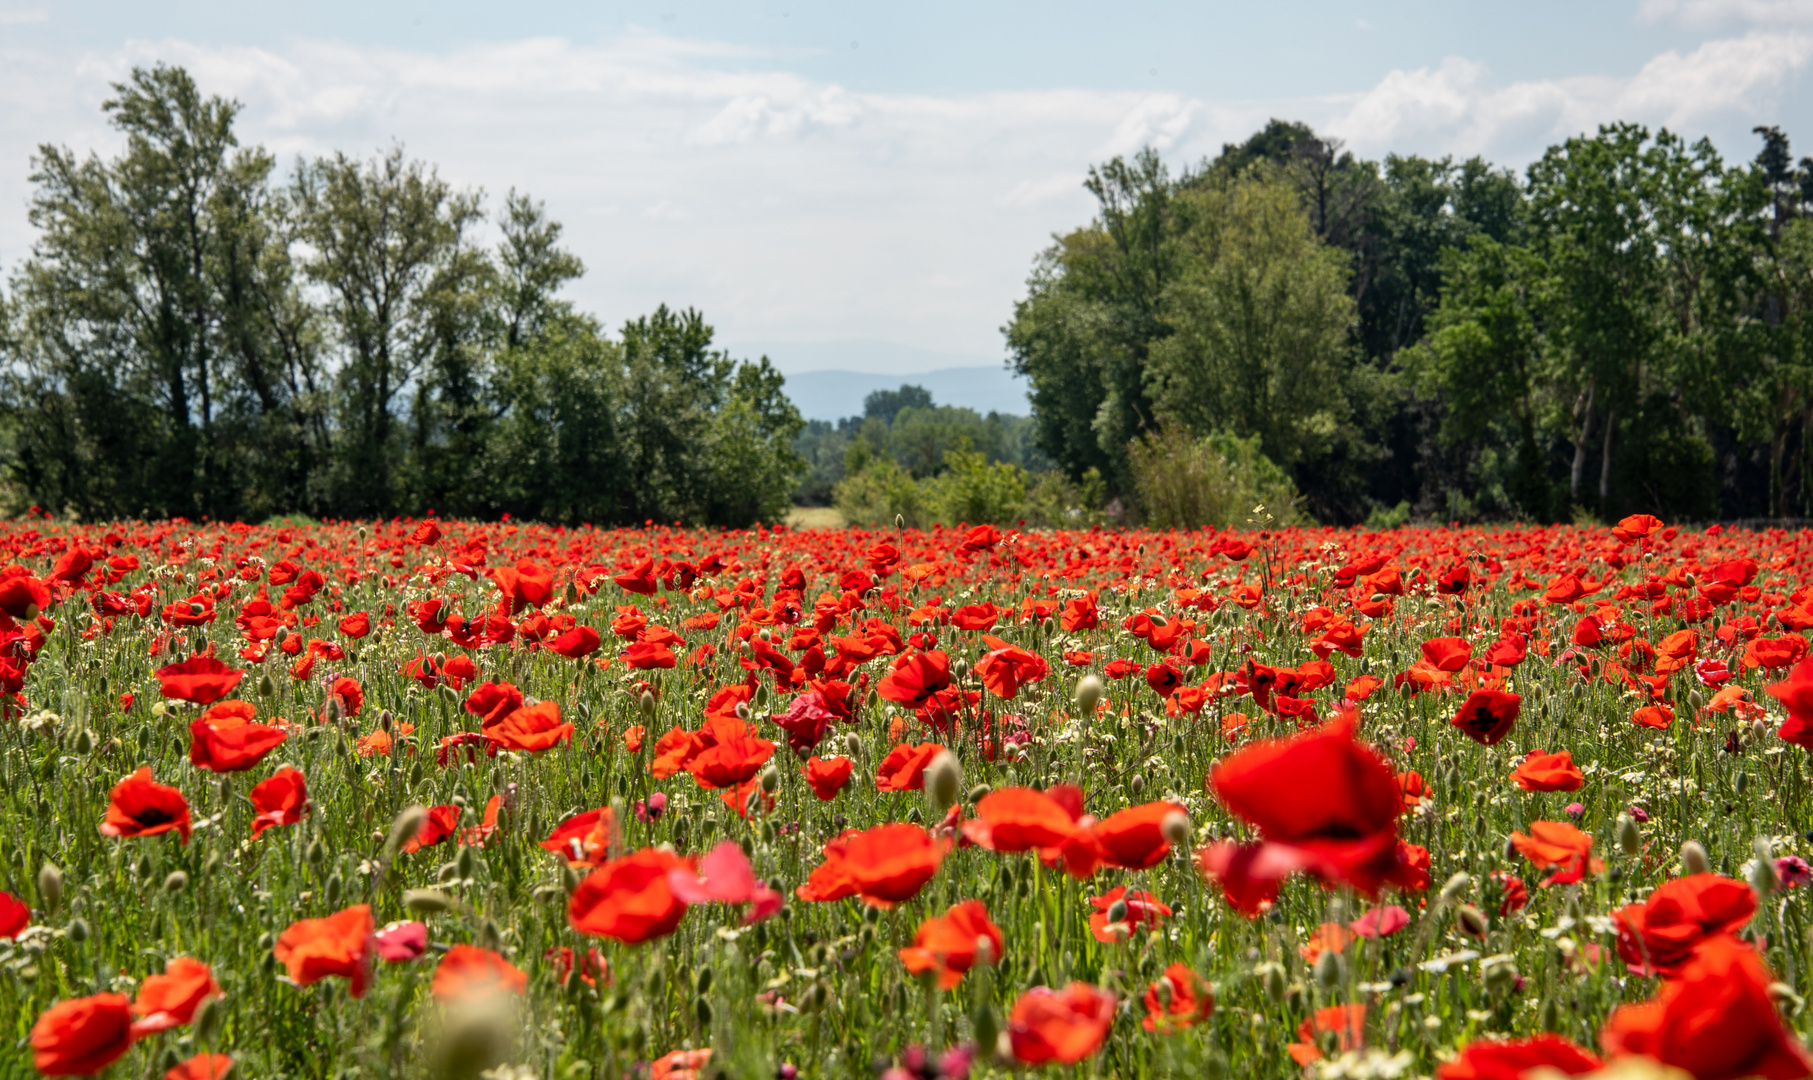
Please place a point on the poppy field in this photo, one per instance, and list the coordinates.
(437, 798)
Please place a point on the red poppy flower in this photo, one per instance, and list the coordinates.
(15, 916)
(200, 679)
(904, 767)
(806, 722)
(1322, 801)
(1134, 838)
(1715, 1021)
(1142, 909)
(82, 1036)
(1549, 772)
(733, 759)
(525, 585)
(1021, 819)
(1164, 678)
(1005, 668)
(579, 642)
(491, 702)
(1347, 1023)
(1558, 844)
(585, 839)
(1510, 1059)
(280, 800)
(339, 945)
(170, 1000)
(947, 944)
(531, 728)
(827, 778)
(914, 678)
(1179, 999)
(725, 876)
(1447, 653)
(224, 739)
(648, 656)
(1796, 695)
(629, 899)
(140, 806)
(348, 695)
(201, 1067)
(1487, 715)
(356, 625)
(467, 972)
(440, 823)
(885, 865)
(1659, 936)
(1064, 1026)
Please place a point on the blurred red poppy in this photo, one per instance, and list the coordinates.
(1560, 845)
(339, 945)
(280, 800)
(225, 739)
(82, 1036)
(200, 679)
(1659, 936)
(1064, 1026)
(1548, 772)
(170, 999)
(904, 767)
(1486, 716)
(1510, 1059)
(629, 899)
(827, 778)
(467, 972)
(1179, 999)
(948, 944)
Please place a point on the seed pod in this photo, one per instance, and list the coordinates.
(852, 746)
(426, 901)
(1471, 921)
(1693, 858)
(77, 930)
(1136, 783)
(704, 981)
(1328, 969)
(333, 889)
(771, 779)
(317, 852)
(943, 782)
(1088, 695)
(1271, 976)
(648, 705)
(176, 881)
(405, 826)
(50, 886)
(1630, 841)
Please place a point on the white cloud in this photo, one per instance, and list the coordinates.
(1703, 13)
(24, 17)
(789, 208)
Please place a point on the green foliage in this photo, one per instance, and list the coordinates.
(972, 491)
(1183, 481)
(193, 337)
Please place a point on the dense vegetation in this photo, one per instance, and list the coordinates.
(1628, 326)
(194, 335)
(418, 798)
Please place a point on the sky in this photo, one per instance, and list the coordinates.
(866, 186)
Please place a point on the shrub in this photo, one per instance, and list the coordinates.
(1185, 482)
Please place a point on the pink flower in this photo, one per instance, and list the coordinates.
(1792, 870)
(1712, 672)
(1380, 922)
(1575, 809)
(1639, 815)
(725, 877)
(652, 808)
(401, 941)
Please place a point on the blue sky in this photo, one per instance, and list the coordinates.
(815, 174)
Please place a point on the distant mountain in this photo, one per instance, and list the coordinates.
(833, 395)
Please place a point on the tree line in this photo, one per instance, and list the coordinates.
(195, 334)
(1628, 325)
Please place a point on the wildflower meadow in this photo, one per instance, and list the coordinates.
(435, 798)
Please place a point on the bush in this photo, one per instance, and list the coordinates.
(876, 491)
(970, 489)
(1185, 482)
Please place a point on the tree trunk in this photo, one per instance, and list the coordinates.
(1605, 458)
(1583, 417)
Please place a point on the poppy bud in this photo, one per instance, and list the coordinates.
(145, 869)
(426, 901)
(1630, 841)
(703, 1009)
(212, 864)
(1693, 858)
(1549, 1018)
(743, 711)
(852, 746)
(900, 521)
(771, 779)
(943, 782)
(766, 634)
(1136, 783)
(332, 891)
(1176, 828)
(1471, 921)
(1328, 969)
(384, 719)
(176, 882)
(1271, 976)
(407, 824)
(1117, 912)
(704, 983)
(1088, 694)
(50, 886)
(984, 1026)
(1741, 782)
(1457, 886)
(1499, 973)
(465, 862)
(976, 793)
(207, 1018)
(317, 852)
(84, 742)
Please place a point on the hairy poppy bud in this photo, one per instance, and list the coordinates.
(50, 886)
(1136, 783)
(743, 711)
(1457, 886)
(943, 781)
(77, 930)
(1471, 921)
(1328, 969)
(704, 982)
(1117, 912)
(176, 882)
(1693, 858)
(1741, 783)
(1499, 973)
(332, 892)
(466, 862)
(407, 824)
(1176, 828)
(852, 746)
(1271, 975)
(1549, 1017)
(771, 779)
(84, 742)
(384, 719)
(426, 901)
(1630, 841)
(208, 1016)
(1088, 694)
